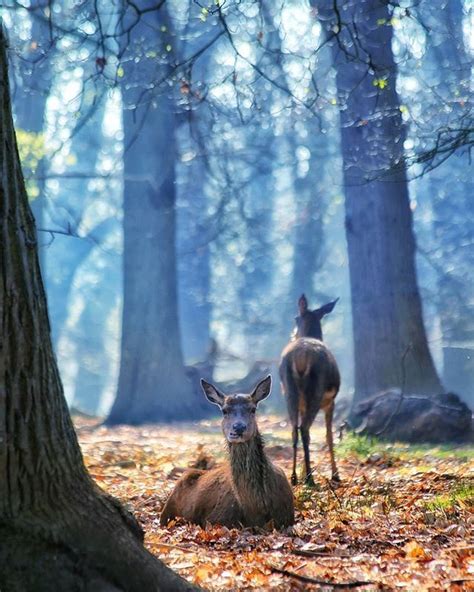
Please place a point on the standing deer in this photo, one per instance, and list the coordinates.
(248, 490)
(310, 381)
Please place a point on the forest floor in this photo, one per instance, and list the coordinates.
(402, 518)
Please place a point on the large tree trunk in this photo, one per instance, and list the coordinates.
(390, 345)
(449, 189)
(58, 530)
(152, 384)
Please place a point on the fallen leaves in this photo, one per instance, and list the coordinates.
(397, 520)
(414, 550)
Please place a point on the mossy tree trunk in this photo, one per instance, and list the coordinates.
(58, 530)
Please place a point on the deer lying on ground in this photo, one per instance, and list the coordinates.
(310, 381)
(248, 490)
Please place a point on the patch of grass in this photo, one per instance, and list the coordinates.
(443, 451)
(461, 496)
(363, 446)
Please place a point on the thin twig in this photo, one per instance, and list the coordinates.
(291, 574)
(327, 554)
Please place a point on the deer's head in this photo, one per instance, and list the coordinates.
(238, 411)
(308, 322)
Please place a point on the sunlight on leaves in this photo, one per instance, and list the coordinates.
(32, 149)
(380, 83)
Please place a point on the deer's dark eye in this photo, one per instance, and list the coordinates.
(253, 411)
(225, 412)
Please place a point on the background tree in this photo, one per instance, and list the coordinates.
(152, 384)
(33, 79)
(59, 531)
(386, 306)
(193, 195)
(446, 192)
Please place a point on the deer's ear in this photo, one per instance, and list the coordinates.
(213, 395)
(302, 304)
(262, 390)
(326, 309)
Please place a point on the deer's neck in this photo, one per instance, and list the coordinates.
(251, 473)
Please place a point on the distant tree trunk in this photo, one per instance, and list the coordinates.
(30, 103)
(194, 273)
(194, 265)
(311, 198)
(390, 345)
(257, 265)
(58, 530)
(152, 384)
(309, 235)
(257, 202)
(71, 204)
(90, 336)
(449, 188)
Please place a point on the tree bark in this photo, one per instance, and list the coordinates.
(390, 345)
(152, 384)
(58, 530)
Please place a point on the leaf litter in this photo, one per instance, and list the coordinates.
(402, 519)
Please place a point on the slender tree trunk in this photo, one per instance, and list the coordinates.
(258, 202)
(390, 345)
(91, 352)
(194, 257)
(30, 102)
(58, 530)
(194, 272)
(311, 196)
(72, 202)
(152, 384)
(257, 267)
(309, 237)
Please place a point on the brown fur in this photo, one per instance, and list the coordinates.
(310, 381)
(248, 490)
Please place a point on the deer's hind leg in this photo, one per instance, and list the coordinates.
(294, 433)
(305, 437)
(308, 413)
(291, 394)
(328, 412)
(293, 415)
(309, 408)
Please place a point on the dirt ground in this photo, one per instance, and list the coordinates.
(402, 518)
